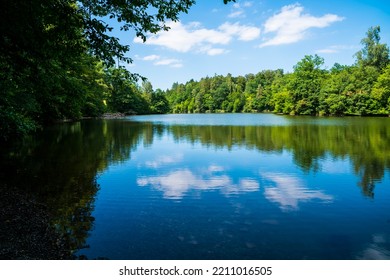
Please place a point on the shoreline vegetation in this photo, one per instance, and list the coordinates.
(362, 89)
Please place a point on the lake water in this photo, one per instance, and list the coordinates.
(214, 186)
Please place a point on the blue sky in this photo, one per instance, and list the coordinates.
(249, 36)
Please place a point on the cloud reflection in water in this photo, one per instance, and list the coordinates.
(176, 184)
(163, 160)
(288, 191)
(378, 249)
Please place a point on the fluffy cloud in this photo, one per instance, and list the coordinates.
(151, 57)
(215, 51)
(242, 32)
(236, 14)
(290, 25)
(238, 9)
(172, 62)
(247, 4)
(193, 37)
(157, 60)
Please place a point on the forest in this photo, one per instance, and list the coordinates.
(360, 89)
(58, 62)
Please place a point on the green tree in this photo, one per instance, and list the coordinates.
(305, 85)
(373, 53)
(41, 54)
(124, 95)
(335, 104)
(381, 91)
(159, 103)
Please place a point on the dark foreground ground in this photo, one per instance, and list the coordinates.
(25, 231)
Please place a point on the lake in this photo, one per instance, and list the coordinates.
(213, 186)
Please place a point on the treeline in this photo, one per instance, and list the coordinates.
(123, 94)
(58, 61)
(360, 89)
(58, 57)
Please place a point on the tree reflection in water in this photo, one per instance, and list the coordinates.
(60, 165)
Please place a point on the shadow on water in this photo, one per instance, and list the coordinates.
(61, 164)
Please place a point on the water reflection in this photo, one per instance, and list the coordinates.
(176, 184)
(379, 249)
(288, 191)
(251, 170)
(364, 144)
(59, 166)
(163, 160)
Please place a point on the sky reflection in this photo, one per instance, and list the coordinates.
(164, 160)
(288, 191)
(178, 183)
(254, 192)
(378, 249)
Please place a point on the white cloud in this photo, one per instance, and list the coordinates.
(170, 61)
(209, 50)
(336, 49)
(236, 14)
(183, 38)
(193, 37)
(151, 57)
(288, 191)
(239, 10)
(216, 51)
(157, 60)
(291, 24)
(248, 4)
(243, 32)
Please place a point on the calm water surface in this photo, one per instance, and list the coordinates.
(221, 186)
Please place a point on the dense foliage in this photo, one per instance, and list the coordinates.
(57, 58)
(360, 89)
